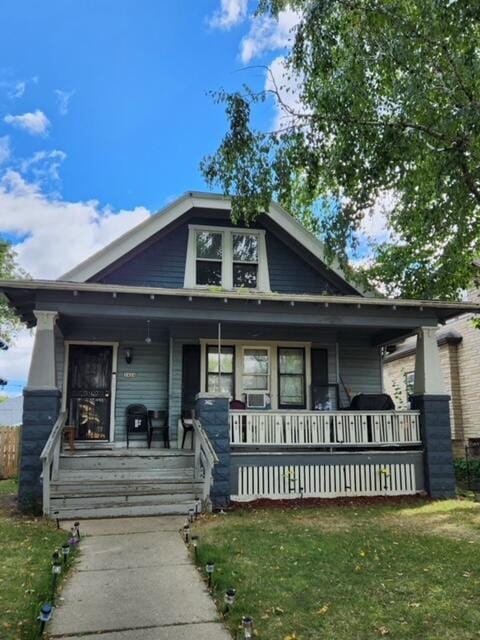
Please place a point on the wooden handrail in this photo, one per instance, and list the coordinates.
(50, 458)
(205, 459)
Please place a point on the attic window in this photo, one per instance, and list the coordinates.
(208, 268)
(245, 260)
(230, 258)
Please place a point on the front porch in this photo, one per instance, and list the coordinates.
(301, 361)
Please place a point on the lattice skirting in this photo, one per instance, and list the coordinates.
(325, 481)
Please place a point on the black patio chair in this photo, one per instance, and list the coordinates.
(158, 421)
(187, 424)
(137, 421)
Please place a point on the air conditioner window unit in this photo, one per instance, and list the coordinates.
(256, 400)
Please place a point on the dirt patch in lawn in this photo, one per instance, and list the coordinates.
(458, 520)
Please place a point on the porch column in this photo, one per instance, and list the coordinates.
(430, 399)
(40, 411)
(212, 409)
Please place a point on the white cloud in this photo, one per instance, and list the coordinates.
(58, 234)
(44, 166)
(269, 34)
(63, 100)
(35, 122)
(15, 362)
(230, 13)
(288, 86)
(4, 149)
(374, 226)
(18, 90)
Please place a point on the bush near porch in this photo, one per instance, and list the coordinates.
(26, 547)
(410, 570)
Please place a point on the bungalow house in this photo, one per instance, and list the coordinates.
(251, 329)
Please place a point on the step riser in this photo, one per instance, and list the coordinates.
(129, 476)
(123, 511)
(120, 500)
(130, 463)
(158, 488)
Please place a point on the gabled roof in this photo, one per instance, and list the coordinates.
(142, 232)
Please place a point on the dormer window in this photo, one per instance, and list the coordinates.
(245, 260)
(208, 269)
(226, 257)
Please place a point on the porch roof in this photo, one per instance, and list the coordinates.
(444, 309)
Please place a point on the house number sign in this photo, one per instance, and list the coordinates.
(129, 374)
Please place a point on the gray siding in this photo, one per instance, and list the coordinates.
(289, 273)
(149, 387)
(359, 367)
(162, 263)
(59, 358)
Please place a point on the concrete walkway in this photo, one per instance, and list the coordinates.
(135, 580)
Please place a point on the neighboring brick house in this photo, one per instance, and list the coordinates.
(459, 346)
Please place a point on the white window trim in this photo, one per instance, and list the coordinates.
(263, 279)
(266, 348)
(238, 375)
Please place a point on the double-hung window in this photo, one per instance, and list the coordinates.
(256, 370)
(231, 258)
(220, 370)
(245, 260)
(209, 254)
(291, 378)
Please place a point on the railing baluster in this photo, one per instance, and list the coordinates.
(308, 428)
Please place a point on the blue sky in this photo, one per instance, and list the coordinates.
(139, 119)
(105, 116)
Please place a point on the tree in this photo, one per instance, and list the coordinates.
(9, 270)
(388, 107)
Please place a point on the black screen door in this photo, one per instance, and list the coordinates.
(89, 391)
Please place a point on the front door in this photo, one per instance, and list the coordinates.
(89, 390)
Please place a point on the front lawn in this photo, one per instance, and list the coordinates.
(410, 570)
(26, 547)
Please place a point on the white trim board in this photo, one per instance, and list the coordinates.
(272, 346)
(113, 392)
(263, 279)
(142, 232)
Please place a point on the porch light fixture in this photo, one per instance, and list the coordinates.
(128, 355)
(148, 339)
(210, 568)
(247, 626)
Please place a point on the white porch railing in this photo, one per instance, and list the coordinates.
(307, 428)
(50, 458)
(205, 459)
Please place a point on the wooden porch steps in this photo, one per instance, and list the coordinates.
(124, 482)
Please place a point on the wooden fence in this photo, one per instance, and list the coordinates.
(10, 438)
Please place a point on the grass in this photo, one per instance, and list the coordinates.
(403, 571)
(8, 487)
(26, 547)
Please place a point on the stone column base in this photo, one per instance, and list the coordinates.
(213, 412)
(40, 412)
(437, 442)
